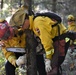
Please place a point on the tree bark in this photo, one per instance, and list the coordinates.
(31, 44)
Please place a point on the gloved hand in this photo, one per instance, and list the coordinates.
(48, 67)
(20, 60)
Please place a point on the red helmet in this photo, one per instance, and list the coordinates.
(4, 30)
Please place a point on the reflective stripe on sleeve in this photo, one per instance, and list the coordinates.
(75, 43)
(11, 58)
(50, 52)
(67, 39)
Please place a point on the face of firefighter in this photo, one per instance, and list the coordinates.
(70, 22)
(26, 24)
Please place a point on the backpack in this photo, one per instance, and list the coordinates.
(50, 15)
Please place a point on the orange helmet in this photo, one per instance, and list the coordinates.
(4, 30)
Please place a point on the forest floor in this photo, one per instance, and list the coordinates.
(69, 64)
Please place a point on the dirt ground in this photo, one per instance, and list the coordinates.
(69, 64)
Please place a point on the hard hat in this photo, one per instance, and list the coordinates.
(71, 18)
(18, 17)
(3, 29)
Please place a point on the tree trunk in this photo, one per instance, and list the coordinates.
(54, 5)
(31, 44)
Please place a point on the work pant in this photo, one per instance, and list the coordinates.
(40, 65)
(10, 69)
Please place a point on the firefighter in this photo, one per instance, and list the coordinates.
(11, 40)
(18, 20)
(71, 23)
(49, 28)
(72, 28)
